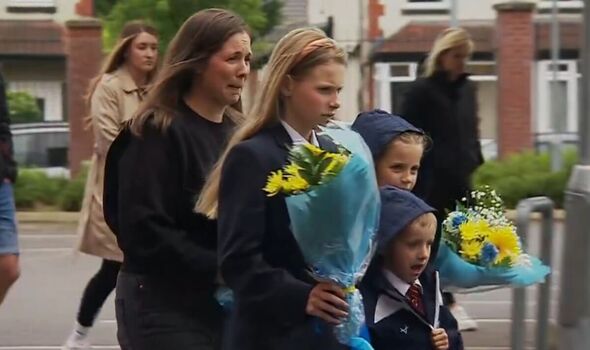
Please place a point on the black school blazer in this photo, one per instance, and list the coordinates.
(259, 257)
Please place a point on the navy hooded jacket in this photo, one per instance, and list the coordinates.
(404, 328)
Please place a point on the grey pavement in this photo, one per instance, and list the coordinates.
(40, 309)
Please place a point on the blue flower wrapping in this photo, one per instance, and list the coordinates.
(459, 275)
(335, 225)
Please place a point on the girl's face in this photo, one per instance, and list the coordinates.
(142, 54)
(314, 98)
(399, 165)
(225, 74)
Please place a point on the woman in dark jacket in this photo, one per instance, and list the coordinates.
(444, 104)
(155, 170)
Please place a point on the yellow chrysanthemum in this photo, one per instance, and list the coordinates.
(315, 150)
(292, 169)
(295, 184)
(274, 183)
(337, 162)
(507, 242)
(471, 250)
(472, 230)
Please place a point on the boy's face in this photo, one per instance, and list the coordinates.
(408, 253)
(399, 165)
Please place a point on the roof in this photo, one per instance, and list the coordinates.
(418, 37)
(31, 38)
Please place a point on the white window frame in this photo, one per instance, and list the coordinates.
(544, 110)
(425, 6)
(548, 4)
(383, 79)
(31, 3)
(50, 91)
(483, 77)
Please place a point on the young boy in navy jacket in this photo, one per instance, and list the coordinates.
(401, 291)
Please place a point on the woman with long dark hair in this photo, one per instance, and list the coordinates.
(155, 171)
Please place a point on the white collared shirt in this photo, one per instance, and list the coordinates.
(399, 284)
(297, 138)
(387, 306)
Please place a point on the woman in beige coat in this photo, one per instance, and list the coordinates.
(113, 97)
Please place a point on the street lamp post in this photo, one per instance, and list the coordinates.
(556, 158)
(574, 308)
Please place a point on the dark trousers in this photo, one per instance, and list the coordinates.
(97, 291)
(157, 314)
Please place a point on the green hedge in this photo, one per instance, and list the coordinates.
(526, 175)
(517, 177)
(35, 190)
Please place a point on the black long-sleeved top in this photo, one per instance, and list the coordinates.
(7, 163)
(151, 186)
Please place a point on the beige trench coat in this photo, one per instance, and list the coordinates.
(115, 100)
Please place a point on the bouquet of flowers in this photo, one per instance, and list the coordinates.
(481, 246)
(333, 204)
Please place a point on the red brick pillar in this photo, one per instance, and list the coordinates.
(515, 50)
(85, 8)
(84, 56)
(376, 9)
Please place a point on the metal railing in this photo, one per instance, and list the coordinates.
(524, 210)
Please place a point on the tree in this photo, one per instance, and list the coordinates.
(104, 7)
(168, 15)
(23, 108)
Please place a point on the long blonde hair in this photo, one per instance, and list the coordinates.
(294, 55)
(200, 37)
(118, 56)
(448, 39)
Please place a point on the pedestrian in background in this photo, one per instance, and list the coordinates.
(443, 103)
(113, 98)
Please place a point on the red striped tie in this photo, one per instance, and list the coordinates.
(414, 295)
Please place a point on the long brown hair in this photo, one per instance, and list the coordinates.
(117, 57)
(295, 55)
(200, 37)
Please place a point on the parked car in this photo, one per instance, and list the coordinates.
(42, 145)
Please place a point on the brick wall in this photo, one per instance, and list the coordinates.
(85, 8)
(514, 57)
(84, 50)
(374, 33)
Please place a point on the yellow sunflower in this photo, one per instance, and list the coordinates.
(274, 183)
(507, 242)
(471, 250)
(471, 230)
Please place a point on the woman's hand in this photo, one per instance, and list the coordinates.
(326, 301)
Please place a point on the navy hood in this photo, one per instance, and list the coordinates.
(378, 128)
(398, 209)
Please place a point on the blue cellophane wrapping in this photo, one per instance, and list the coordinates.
(335, 225)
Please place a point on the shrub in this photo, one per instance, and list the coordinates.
(23, 107)
(35, 187)
(73, 194)
(526, 175)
